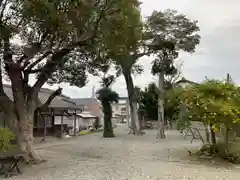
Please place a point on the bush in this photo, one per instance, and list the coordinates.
(230, 152)
(84, 132)
(6, 136)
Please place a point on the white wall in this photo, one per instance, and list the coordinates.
(84, 122)
(66, 120)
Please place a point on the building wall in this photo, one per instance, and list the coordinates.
(84, 122)
(119, 109)
(81, 123)
(66, 120)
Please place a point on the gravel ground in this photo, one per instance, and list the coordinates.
(125, 158)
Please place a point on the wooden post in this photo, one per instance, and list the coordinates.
(75, 123)
(61, 134)
(53, 120)
(128, 113)
(45, 127)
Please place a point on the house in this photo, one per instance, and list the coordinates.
(90, 106)
(184, 83)
(85, 120)
(120, 111)
(60, 114)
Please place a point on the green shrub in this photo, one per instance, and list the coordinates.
(84, 132)
(6, 136)
(229, 152)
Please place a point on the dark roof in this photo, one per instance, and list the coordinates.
(43, 95)
(123, 98)
(84, 101)
(183, 80)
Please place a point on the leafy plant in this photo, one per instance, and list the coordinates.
(84, 132)
(215, 103)
(6, 136)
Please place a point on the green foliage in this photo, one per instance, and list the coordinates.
(149, 102)
(6, 136)
(213, 103)
(77, 31)
(172, 102)
(170, 33)
(107, 97)
(84, 132)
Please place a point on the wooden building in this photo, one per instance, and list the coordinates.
(62, 109)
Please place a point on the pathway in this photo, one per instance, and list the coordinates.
(125, 157)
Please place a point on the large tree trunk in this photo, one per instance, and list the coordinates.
(135, 124)
(23, 130)
(161, 128)
(25, 135)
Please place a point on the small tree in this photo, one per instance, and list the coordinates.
(107, 97)
(171, 33)
(6, 136)
(149, 102)
(172, 103)
(214, 103)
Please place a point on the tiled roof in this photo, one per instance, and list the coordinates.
(84, 101)
(58, 102)
(86, 115)
(183, 80)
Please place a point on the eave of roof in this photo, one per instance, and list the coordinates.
(58, 102)
(183, 80)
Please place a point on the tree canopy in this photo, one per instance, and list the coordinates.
(213, 102)
(58, 41)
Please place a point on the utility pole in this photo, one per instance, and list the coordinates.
(161, 128)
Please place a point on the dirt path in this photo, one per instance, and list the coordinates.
(124, 158)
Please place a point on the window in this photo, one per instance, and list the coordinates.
(123, 109)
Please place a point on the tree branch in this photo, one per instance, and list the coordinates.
(50, 98)
(4, 5)
(29, 53)
(1, 83)
(57, 57)
(31, 66)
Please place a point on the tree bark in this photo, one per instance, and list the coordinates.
(108, 129)
(213, 137)
(207, 133)
(161, 129)
(226, 135)
(135, 124)
(25, 134)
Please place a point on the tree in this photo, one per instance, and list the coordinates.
(214, 103)
(59, 41)
(149, 101)
(172, 78)
(107, 97)
(125, 56)
(172, 102)
(171, 33)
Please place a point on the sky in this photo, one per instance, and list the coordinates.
(217, 54)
